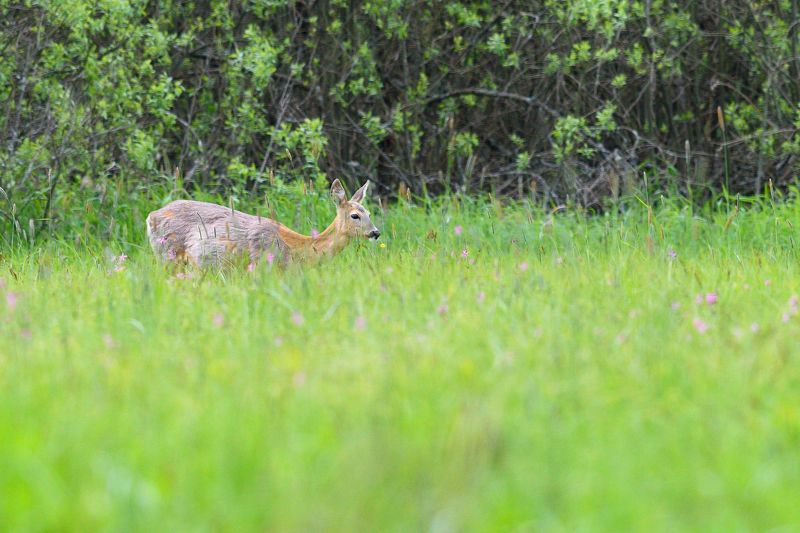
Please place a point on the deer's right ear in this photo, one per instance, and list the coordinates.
(337, 192)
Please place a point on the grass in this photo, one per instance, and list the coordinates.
(554, 379)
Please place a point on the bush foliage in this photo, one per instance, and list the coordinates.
(565, 101)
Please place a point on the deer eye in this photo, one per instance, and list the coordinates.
(354, 216)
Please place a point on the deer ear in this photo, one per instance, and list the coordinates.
(337, 192)
(360, 193)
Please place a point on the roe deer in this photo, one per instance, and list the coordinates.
(205, 234)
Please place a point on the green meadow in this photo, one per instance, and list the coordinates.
(489, 367)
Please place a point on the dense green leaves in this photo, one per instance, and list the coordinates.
(440, 96)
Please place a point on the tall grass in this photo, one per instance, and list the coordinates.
(537, 371)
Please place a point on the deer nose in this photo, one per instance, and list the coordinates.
(374, 234)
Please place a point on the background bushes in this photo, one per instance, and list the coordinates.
(565, 101)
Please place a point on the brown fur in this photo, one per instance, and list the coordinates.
(208, 234)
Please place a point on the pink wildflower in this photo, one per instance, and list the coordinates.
(699, 325)
(457, 230)
(464, 253)
(711, 298)
(11, 300)
(442, 309)
(122, 258)
(523, 266)
(314, 233)
(270, 258)
(767, 282)
(251, 267)
(108, 340)
(171, 254)
(218, 320)
(360, 323)
(671, 254)
(481, 297)
(297, 318)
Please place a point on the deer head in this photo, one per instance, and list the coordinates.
(352, 219)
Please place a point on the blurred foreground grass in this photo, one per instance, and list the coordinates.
(525, 372)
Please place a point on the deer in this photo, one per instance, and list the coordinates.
(205, 234)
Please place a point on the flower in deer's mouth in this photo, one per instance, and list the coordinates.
(314, 233)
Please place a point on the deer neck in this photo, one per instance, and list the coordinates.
(330, 242)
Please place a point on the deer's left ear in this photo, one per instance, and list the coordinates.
(360, 193)
(337, 192)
